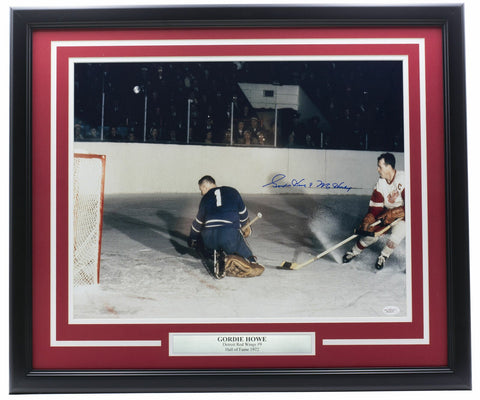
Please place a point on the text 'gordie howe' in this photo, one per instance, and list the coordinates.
(241, 344)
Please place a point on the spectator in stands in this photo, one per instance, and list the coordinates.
(113, 135)
(309, 143)
(291, 139)
(173, 136)
(227, 137)
(246, 113)
(209, 138)
(255, 128)
(78, 132)
(239, 133)
(154, 136)
(247, 138)
(209, 124)
(261, 139)
(157, 119)
(93, 134)
(131, 136)
(267, 136)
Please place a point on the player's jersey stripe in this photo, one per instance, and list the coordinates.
(222, 221)
(377, 197)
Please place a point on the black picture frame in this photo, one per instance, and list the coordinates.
(24, 379)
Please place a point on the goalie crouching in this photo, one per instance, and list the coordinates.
(218, 225)
(387, 206)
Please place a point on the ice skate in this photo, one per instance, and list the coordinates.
(380, 262)
(219, 264)
(348, 256)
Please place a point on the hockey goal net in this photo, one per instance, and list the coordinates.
(88, 200)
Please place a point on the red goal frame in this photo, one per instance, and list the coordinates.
(102, 159)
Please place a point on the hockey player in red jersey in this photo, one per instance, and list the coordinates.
(387, 204)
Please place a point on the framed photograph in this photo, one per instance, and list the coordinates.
(207, 196)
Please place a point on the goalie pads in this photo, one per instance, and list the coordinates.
(239, 267)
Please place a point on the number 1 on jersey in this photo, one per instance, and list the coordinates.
(218, 195)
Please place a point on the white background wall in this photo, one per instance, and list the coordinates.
(167, 168)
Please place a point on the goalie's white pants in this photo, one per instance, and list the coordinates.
(397, 235)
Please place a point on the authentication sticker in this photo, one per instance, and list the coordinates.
(391, 310)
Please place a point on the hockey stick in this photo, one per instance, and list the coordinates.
(257, 217)
(383, 230)
(292, 265)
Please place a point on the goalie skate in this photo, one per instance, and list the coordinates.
(214, 262)
(219, 264)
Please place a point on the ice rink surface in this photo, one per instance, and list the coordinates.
(148, 274)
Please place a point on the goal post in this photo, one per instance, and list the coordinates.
(88, 201)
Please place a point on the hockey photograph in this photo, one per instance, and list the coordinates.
(248, 190)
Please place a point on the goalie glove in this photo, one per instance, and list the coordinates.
(246, 231)
(391, 215)
(239, 267)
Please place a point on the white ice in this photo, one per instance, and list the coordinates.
(148, 274)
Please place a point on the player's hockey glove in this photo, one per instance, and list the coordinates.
(368, 220)
(239, 267)
(246, 231)
(368, 226)
(391, 215)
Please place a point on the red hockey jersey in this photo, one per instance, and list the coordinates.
(388, 195)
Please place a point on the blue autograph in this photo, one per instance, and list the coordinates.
(278, 181)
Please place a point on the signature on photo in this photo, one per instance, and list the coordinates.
(280, 181)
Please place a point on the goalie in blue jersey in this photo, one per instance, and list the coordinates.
(218, 227)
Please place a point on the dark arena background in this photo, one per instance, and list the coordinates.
(355, 105)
